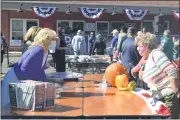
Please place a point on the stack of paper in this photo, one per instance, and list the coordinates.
(33, 95)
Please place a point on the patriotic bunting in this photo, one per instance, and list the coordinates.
(92, 13)
(129, 24)
(44, 12)
(136, 15)
(157, 106)
(176, 14)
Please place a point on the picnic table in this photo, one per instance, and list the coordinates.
(82, 63)
(85, 100)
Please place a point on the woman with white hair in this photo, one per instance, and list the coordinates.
(78, 43)
(159, 73)
(31, 65)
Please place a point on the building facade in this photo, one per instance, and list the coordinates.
(15, 24)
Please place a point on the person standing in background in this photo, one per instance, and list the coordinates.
(78, 43)
(130, 55)
(114, 44)
(60, 52)
(167, 45)
(3, 45)
(122, 36)
(29, 37)
(115, 39)
(91, 43)
(176, 48)
(99, 46)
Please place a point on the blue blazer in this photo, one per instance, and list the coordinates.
(30, 66)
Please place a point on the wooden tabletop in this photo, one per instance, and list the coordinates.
(96, 101)
(69, 105)
(110, 101)
(88, 80)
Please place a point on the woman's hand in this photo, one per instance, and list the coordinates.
(141, 74)
(133, 74)
(141, 71)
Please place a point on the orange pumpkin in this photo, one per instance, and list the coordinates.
(112, 71)
(121, 81)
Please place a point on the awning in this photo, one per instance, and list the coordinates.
(176, 14)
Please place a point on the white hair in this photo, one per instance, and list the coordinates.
(148, 39)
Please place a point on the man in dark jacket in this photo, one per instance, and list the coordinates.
(130, 55)
(99, 46)
(91, 42)
(3, 46)
(60, 52)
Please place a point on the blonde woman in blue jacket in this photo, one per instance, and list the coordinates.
(31, 64)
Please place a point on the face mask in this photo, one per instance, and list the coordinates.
(142, 49)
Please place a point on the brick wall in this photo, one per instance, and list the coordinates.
(6, 15)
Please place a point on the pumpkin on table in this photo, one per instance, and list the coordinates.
(112, 71)
(121, 81)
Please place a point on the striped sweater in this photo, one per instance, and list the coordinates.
(158, 70)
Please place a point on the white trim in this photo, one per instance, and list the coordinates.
(102, 22)
(70, 23)
(24, 25)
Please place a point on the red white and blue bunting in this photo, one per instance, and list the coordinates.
(44, 12)
(176, 14)
(130, 24)
(92, 13)
(136, 15)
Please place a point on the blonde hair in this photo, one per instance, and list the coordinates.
(148, 39)
(44, 38)
(31, 33)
